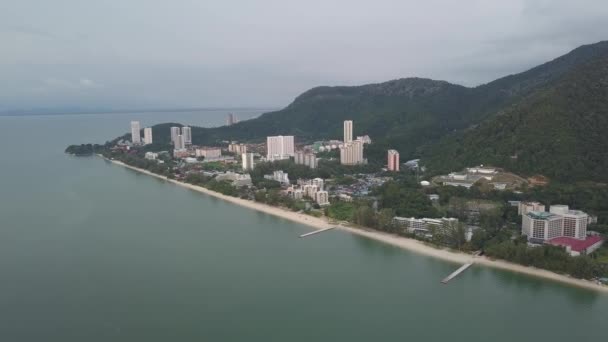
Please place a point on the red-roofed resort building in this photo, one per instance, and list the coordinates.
(561, 227)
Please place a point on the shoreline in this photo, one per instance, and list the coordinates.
(412, 245)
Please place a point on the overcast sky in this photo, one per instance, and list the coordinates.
(198, 53)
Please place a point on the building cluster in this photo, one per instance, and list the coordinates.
(279, 176)
(424, 226)
(559, 226)
(237, 179)
(362, 185)
(306, 158)
(326, 146)
(498, 179)
(309, 188)
(237, 148)
(136, 134)
(469, 177)
(351, 150)
(181, 137)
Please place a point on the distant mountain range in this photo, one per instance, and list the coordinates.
(548, 120)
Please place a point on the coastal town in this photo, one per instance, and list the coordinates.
(469, 211)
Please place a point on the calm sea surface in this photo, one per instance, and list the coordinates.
(90, 251)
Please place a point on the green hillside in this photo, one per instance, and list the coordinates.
(403, 114)
(559, 131)
(399, 112)
(412, 115)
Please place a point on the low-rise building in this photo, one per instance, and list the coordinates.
(499, 185)
(319, 183)
(322, 198)
(237, 179)
(208, 152)
(433, 197)
(577, 247)
(345, 198)
(279, 176)
(423, 225)
(482, 170)
(310, 190)
(181, 153)
(412, 164)
(151, 155)
(514, 204)
(365, 139)
(525, 207)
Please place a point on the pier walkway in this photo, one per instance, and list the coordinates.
(316, 232)
(456, 273)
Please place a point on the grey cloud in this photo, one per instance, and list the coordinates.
(145, 53)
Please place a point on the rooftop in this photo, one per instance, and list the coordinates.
(541, 215)
(576, 244)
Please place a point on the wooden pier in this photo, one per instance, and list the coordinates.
(456, 273)
(316, 232)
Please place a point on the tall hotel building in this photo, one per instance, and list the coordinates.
(279, 147)
(560, 221)
(147, 135)
(348, 131)
(187, 134)
(393, 160)
(231, 119)
(351, 153)
(247, 161)
(174, 134)
(179, 143)
(135, 135)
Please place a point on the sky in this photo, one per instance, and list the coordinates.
(119, 54)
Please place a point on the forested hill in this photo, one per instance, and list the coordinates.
(403, 114)
(406, 114)
(560, 131)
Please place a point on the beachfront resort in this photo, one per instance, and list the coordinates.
(480, 210)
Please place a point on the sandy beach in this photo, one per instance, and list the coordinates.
(398, 241)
